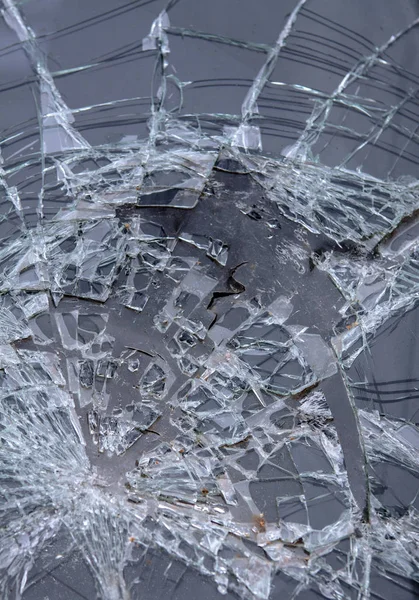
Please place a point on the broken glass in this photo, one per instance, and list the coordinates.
(209, 274)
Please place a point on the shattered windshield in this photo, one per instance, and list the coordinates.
(209, 282)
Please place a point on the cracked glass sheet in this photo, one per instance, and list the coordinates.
(209, 277)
